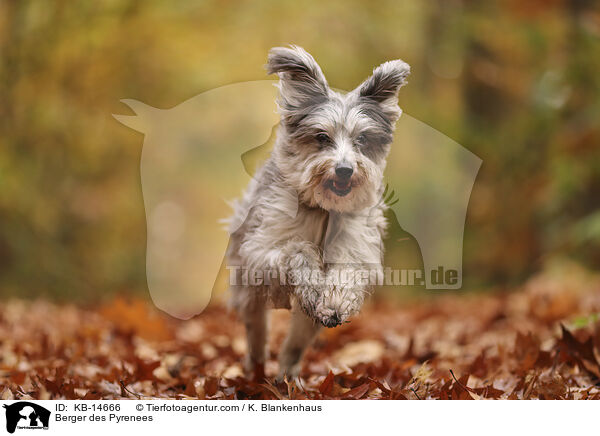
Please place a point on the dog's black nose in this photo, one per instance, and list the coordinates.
(344, 171)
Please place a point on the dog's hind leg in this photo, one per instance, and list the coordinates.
(255, 318)
(301, 334)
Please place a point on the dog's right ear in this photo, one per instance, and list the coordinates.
(301, 81)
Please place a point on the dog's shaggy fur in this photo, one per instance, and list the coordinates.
(314, 208)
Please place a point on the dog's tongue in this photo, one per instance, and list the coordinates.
(341, 185)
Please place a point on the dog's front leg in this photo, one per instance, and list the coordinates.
(302, 266)
(352, 254)
(298, 263)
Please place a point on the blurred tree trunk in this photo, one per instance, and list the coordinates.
(507, 247)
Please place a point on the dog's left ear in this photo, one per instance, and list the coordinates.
(383, 86)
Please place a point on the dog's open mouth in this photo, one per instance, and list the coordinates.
(340, 187)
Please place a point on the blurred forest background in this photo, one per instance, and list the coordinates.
(515, 82)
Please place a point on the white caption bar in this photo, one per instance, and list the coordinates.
(297, 417)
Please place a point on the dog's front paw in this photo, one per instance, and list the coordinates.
(336, 305)
(329, 317)
(314, 306)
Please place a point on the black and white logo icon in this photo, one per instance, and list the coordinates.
(26, 415)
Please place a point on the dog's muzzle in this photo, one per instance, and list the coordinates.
(341, 185)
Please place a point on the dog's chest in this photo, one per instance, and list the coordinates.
(311, 224)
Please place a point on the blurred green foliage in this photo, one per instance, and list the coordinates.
(515, 82)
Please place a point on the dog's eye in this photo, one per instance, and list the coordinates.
(323, 139)
(361, 139)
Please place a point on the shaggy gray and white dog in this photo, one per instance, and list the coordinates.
(313, 211)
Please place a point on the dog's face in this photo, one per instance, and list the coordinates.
(332, 147)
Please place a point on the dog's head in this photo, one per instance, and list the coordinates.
(332, 147)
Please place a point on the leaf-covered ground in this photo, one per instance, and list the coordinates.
(540, 341)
